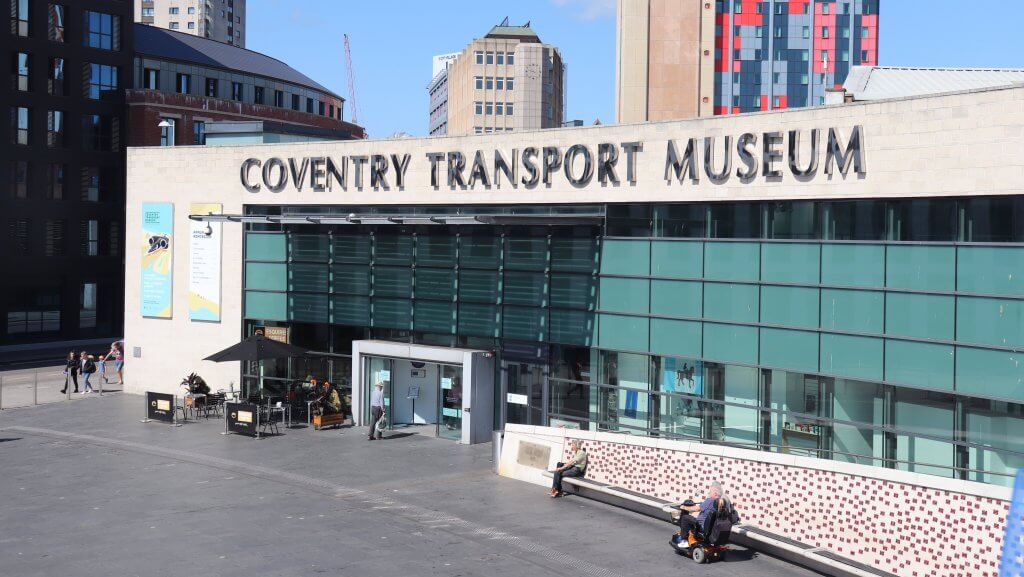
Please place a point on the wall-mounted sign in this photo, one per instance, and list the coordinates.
(159, 407)
(515, 399)
(157, 259)
(243, 418)
(279, 334)
(204, 265)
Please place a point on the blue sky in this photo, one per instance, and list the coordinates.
(393, 42)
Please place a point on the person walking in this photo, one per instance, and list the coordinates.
(88, 368)
(376, 409)
(70, 372)
(116, 353)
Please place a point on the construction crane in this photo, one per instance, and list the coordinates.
(351, 82)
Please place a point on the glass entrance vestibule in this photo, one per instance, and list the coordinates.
(426, 385)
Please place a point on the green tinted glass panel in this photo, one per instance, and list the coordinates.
(352, 248)
(790, 306)
(797, 263)
(853, 310)
(990, 270)
(351, 310)
(623, 333)
(434, 316)
(920, 267)
(351, 279)
(850, 356)
(263, 246)
(574, 254)
(922, 364)
(307, 277)
(673, 338)
(790, 350)
(732, 260)
(730, 343)
(310, 247)
(308, 308)
(676, 298)
(434, 250)
(576, 291)
(525, 288)
(480, 251)
(628, 295)
(433, 283)
(266, 306)
(731, 302)
(998, 322)
(572, 327)
(478, 320)
(860, 265)
(677, 259)
(392, 249)
(631, 257)
(990, 373)
(478, 286)
(392, 282)
(266, 276)
(392, 313)
(920, 316)
(526, 253)
(525, 324)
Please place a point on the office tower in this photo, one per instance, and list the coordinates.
(220, 20)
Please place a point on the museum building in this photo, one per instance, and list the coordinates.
(842, 282)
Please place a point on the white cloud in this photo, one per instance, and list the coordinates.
(588, 9)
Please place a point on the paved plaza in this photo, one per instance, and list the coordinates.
(89, 490)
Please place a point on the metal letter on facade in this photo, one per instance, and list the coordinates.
(676, 165)
(794, 154)
(836, 154)
(709, 159)
(282, 174)
(588, 165)
(247, 164)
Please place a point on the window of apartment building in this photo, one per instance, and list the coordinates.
(53, 237)
(184, 83)
(173, 10)
(279, 98)
(55, 77)
(87, 306)
(19, 178)
(489, 57)
(478, 82)
(151, 78)
(198, 132)
(55, 22)
(489, 130)
(736, 54)
(295, 102)
(499, 108)
(824, 31)
(191, 25)
(825, 8)
(97, 184)
(20, 125)
(100, 81)
(55, 128)
(759, 32)
(863, 56)
(21, 71)
(309, 105)
(510, 58)
(863, 32)
(779, 30)
(191, 9)
(258, 95)
(236, 91)
(807, 31)
(148, 12)
(779, 54)
(844, 55)
(330, 111)
(737, 7)
(55, 181)
(321, 108)
(479, 57)
(489, 83)
(508, 83)
(803, 79)
(167, 132)
(211, 87)
(500, 58)
(776, 102)
(19, 17)
(758, 8)
(478, 107)
(90, 237)
(101, 132)
(489, 108)
(844, 32)
(174, 26)
(499, 83)
(478, 130)
(780, 8)
(18, 233)
(101, 30)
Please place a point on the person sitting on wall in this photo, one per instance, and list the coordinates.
(331, 403)
(688, 523)
(577, 467)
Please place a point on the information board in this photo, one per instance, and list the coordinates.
(243, 418)
(160, 407)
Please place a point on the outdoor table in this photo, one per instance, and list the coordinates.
(286, 413)
(192, 401)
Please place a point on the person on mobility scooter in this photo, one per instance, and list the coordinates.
(705, 536)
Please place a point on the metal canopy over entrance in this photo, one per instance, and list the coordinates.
(410, 219)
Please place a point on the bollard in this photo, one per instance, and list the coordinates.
(1, 392)
(35, 387)
(496, 438)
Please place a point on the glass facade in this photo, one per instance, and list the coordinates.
(873, 332)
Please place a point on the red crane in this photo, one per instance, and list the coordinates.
(351, 82)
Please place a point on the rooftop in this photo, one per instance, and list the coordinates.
(505, 30)
(881, 82)
(161, 43)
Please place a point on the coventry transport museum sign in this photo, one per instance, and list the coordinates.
(718, 159)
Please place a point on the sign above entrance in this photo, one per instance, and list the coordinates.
(743, 158)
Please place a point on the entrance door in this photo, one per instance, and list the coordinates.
(377, 370)
(449, 423)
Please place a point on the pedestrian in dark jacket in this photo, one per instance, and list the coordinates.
(88, 368)
(71, 372)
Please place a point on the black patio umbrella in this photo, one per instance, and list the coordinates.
(257, 348)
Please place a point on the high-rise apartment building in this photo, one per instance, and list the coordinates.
(507, 80)
(438, 91)
(62, 169)
(684, 59)
(220, 20)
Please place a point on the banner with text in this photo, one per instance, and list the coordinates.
(157, 259)
(204, 262)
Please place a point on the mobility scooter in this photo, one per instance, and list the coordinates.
(710, 542)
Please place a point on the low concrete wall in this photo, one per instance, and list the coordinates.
(909, 524)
